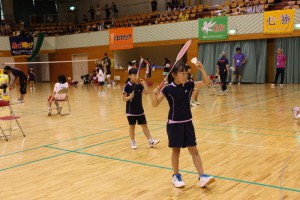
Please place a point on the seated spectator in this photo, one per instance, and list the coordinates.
(258, 8)
(94, 27)
(21, 25)
(226, 7)
(182, 5)
(249, 8)
(289, 6)
(169, 7)
(183, 16)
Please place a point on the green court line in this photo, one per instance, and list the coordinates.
(93, 134)
(139, 163)
(34, 161)
(186, 171)
(114, 139)
(48, 146)
(134, 162)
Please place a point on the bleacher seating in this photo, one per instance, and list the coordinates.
(236, 7)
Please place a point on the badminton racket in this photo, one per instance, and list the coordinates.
(179, 56)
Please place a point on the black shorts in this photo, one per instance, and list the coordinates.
(181, 135)
(101, 83)
(23, 86)
(140, 119)
(238, 70)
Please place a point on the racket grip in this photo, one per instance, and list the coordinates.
(161, 85)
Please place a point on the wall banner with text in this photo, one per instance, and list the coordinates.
(280, 21)
(121, 38)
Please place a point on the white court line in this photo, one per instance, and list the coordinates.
(229, 121)
(249, 145)
(234, 110)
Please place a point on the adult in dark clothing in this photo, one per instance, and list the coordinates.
(19, 76)
(107, 11)
(92, 13)
(223, 70)
(107, 63)
(154, 5)
(114, 9)
(175, 4)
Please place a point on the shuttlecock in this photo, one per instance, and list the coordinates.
(194, 60)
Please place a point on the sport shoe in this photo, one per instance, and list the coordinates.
(196, 102)
(153, 142)
(296, 112)
(133, 144)
(20, 101)
(193, 104)
(273, 85)
(239, 83)
(230, 83)
(177, 181)
(205, 180)
(281, 85)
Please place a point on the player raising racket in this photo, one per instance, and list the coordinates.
(180, 129)
(134, 107)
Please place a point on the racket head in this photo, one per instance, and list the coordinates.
(140, 65)
(184, 49)
(179, 56)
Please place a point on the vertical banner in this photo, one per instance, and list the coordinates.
(280, 21)
(121, 38)
(213, 28)
(21, 45)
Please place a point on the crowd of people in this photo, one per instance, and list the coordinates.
(99, 18)
(97, 13)
(8, 27)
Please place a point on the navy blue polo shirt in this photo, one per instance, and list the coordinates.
(106, 59)
(179, 97)
(134, 107)
(18, 73)
(222, 62)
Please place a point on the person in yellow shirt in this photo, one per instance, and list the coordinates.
(183, 16)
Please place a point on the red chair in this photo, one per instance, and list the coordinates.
(10, 117)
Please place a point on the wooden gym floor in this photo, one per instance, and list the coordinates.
(248, 140)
